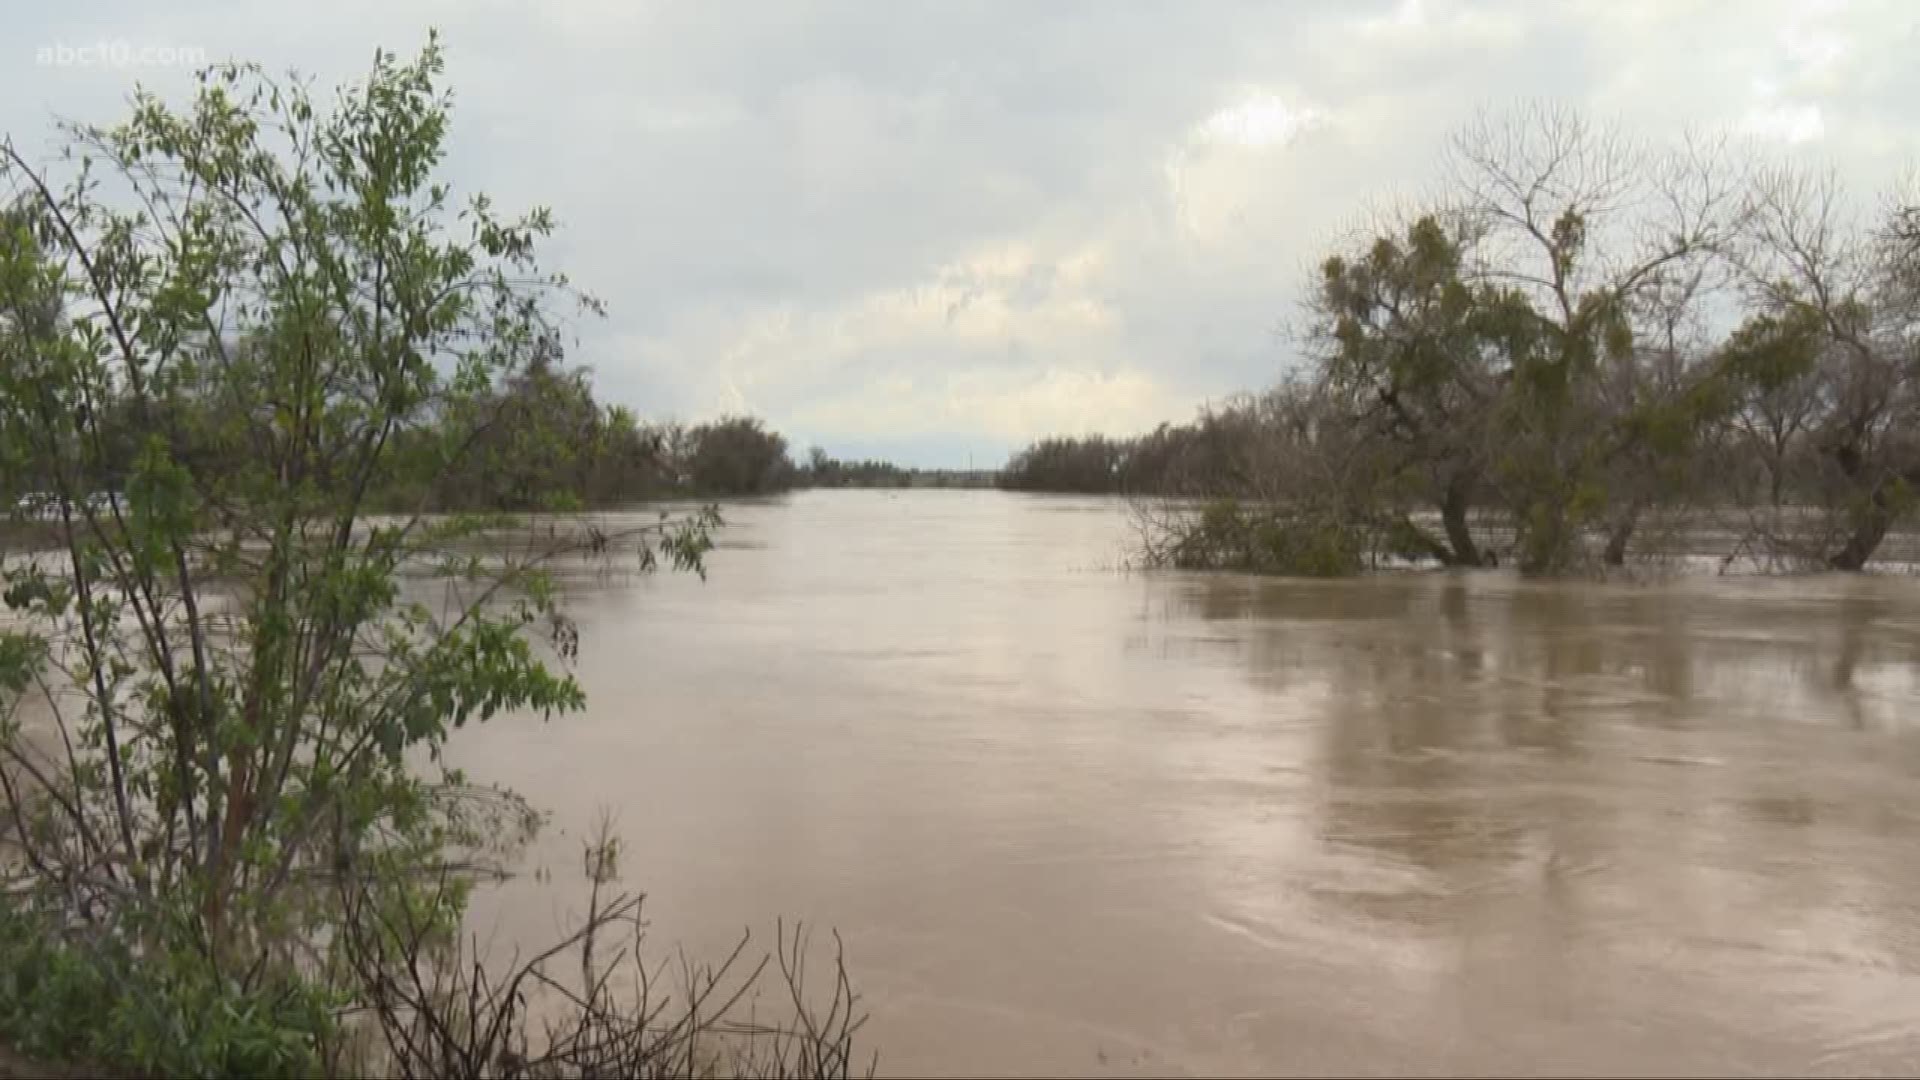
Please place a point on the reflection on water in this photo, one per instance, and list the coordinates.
(1075, 820)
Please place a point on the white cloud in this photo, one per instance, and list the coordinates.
(1785, 123)
(1260, 119)
(1006, 406)
(1423, 23)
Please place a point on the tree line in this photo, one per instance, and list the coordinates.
(1590, 347)
(536, 439)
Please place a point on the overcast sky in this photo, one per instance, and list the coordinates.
(934, 230)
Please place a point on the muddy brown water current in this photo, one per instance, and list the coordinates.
(1071, 819)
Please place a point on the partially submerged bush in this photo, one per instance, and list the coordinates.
(1226, 534)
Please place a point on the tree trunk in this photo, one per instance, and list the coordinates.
(1545, 541)
(1453, 516)
(1619, 536)
(1869, 528)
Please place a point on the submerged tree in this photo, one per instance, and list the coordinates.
(1533, 347)
(1831, 363)
(1592, 239)
(1413, 351)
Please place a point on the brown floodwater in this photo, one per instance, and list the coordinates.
(1071, 819)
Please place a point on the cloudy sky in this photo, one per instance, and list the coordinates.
(934, 230)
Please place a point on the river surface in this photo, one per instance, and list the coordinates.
(1071, 819)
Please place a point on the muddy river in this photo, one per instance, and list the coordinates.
(1073, 819)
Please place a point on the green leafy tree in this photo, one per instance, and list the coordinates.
(240, 319)
(532, 443)
(1415, 351)
(1090, 465)
(737, 456)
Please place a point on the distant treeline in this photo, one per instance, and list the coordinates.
(825, 471)
(1589, 346)
(536, 441)
(1206, 456)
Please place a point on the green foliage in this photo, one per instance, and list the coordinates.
(1771, 351)
(21, 657)
(1404, 321)
(98, 1002)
